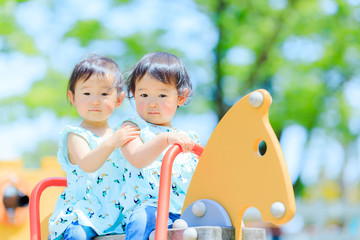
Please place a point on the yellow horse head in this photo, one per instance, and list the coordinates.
(233, 171)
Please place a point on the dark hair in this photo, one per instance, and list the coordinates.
(165, 67)
(99, 66)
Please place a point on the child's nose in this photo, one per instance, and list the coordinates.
(153, 103)
(95, 100)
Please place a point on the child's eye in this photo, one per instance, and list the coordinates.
(86, 94)
(104, 94)
(162, 96)
(143, 95)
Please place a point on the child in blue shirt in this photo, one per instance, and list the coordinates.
(159, 84)
(89, 205)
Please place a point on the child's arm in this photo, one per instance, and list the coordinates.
(141, 154)
(91, 160)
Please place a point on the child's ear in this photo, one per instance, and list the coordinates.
(71, 97)
(182, 98)
(120, 99)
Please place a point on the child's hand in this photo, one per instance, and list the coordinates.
(125, 134)
(186, 143)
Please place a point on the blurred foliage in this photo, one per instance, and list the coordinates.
(49, 94)
(44, 148)
(15, 38)
(264, 30)
(303, 86)
(87, 31)
(307, 87)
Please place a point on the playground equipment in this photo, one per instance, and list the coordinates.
(241, 166)
(16, 183)
(14, 199)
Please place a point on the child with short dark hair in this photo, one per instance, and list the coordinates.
(89, 205)
(159, 84)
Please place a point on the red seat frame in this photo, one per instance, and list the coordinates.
(163, 204)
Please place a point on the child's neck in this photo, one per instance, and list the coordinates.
(161, 125)
(100, 129)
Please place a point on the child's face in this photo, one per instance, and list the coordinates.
(156, 102)
(95, 99)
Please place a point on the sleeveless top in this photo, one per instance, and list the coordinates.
(141, 186)
(92, 199)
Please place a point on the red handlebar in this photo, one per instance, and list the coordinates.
(35, 232)
(161, 227)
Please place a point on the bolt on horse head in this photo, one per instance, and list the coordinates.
(236, 171)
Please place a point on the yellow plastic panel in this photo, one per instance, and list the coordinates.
(233, 172)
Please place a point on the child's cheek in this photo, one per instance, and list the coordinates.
(169, 109)
(141, 108)
(109, 106)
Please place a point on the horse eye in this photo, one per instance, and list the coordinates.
(262, 147)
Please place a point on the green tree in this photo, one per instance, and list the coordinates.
(305, 52)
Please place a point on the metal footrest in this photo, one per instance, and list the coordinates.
(205, 233)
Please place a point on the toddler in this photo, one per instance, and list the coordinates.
(89, 205)
(159, 84)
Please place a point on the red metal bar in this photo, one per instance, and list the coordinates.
(35, 231)
(163, 203)
(161, 227)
